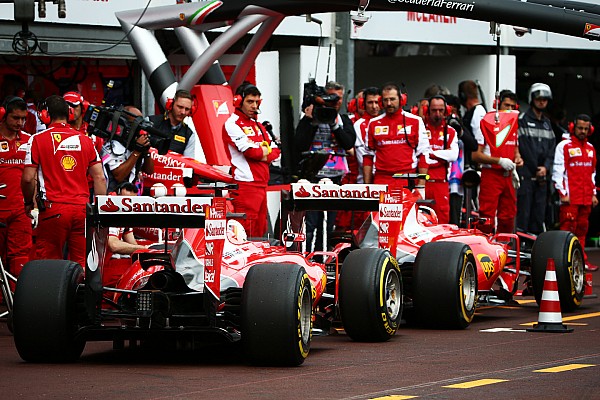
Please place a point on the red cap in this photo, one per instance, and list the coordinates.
(73, 98)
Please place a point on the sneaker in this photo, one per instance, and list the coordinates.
(591, 267)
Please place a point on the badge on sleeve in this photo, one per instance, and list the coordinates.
(179, 138)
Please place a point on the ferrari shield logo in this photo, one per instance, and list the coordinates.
(220, 107)
(57, 137)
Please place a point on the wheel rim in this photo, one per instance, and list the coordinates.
(393, 297)
(578, 270)
(468, 286)
(305, 315)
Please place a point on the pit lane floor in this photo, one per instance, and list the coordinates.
(493, 359)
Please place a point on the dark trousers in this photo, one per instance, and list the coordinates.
(314, 228)
(531, 206)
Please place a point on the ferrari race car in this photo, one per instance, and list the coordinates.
(204, 282)
(444, 271)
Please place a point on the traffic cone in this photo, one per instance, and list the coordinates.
(550, 317)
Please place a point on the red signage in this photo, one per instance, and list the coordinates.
(215, 231)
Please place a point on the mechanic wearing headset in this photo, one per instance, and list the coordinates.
(15, 238)
(498, 195)
(574, 177)
(444, 150)
(250, 151)
(123, 165)
(60, 158)
(397, 139)
(172, 122)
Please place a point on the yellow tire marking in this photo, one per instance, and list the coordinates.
(563, 368)
(394, 397)
(472, 384)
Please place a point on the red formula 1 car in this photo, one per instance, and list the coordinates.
(209, 283)
(445, 271)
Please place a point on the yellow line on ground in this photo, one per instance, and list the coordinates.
(563, 368)
(571, 318)
(472, 384)
(394, 397)
(524, 301)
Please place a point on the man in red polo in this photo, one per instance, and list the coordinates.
(15, 238)
(61, 158)
(250, 151)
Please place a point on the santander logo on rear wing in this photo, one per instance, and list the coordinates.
(330, 191)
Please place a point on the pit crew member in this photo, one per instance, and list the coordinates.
(60, 158)
(574, 177)
(444, 150)
(15, 238)
(497, 197)
(250, 151)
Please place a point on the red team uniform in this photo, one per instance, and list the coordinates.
(15, 239)
(443, 152)
(574, 175)
(398, 141)
(498, 198)
(63, 157)
(243, 137)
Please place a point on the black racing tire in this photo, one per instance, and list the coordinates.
(564, 247)
(277, 310)
(445, 285)
(370, 297)
(45, 311)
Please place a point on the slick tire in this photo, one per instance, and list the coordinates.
(445, 285)
(565, 249)
(370, 296)
(277, 311)
(45, 311)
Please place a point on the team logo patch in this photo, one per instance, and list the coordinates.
(591, 30)
(4, 146)
(248, 131)
(179, 138)
(404, 129)
(57, 137)
(68, 162)
(487, 265)
(70, 144)
(590, 153)
(220, 107)
(428, 133)
(575, 152)
(381, 130)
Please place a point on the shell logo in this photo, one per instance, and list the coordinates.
(68, 163)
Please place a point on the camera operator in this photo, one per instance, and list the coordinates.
(61, 158)
(172, 122)
(123, 165)
(336, 135)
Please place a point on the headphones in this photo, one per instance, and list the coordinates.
(448, 109)
(82, 102)
(7, 101)
(581, 117)
(503, 95)
(355, 104)
(240, 95)
(170, 102)
(44, 115)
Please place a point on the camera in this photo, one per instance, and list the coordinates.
(115, 123)
(324, 111)
(453, 121)
(359, 19)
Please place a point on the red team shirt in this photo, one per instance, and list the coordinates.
(574, 171)
(243, 136)
(64, 157)
(12, 163)
(397, 146)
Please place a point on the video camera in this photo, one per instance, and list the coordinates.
(115, 123)
(324, 111)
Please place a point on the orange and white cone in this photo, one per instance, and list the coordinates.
(550, 317)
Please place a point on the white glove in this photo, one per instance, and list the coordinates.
(506, 164)
(35, 214)
(421, 191)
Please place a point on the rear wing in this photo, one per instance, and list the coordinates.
(331, 197)
(150, 212)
